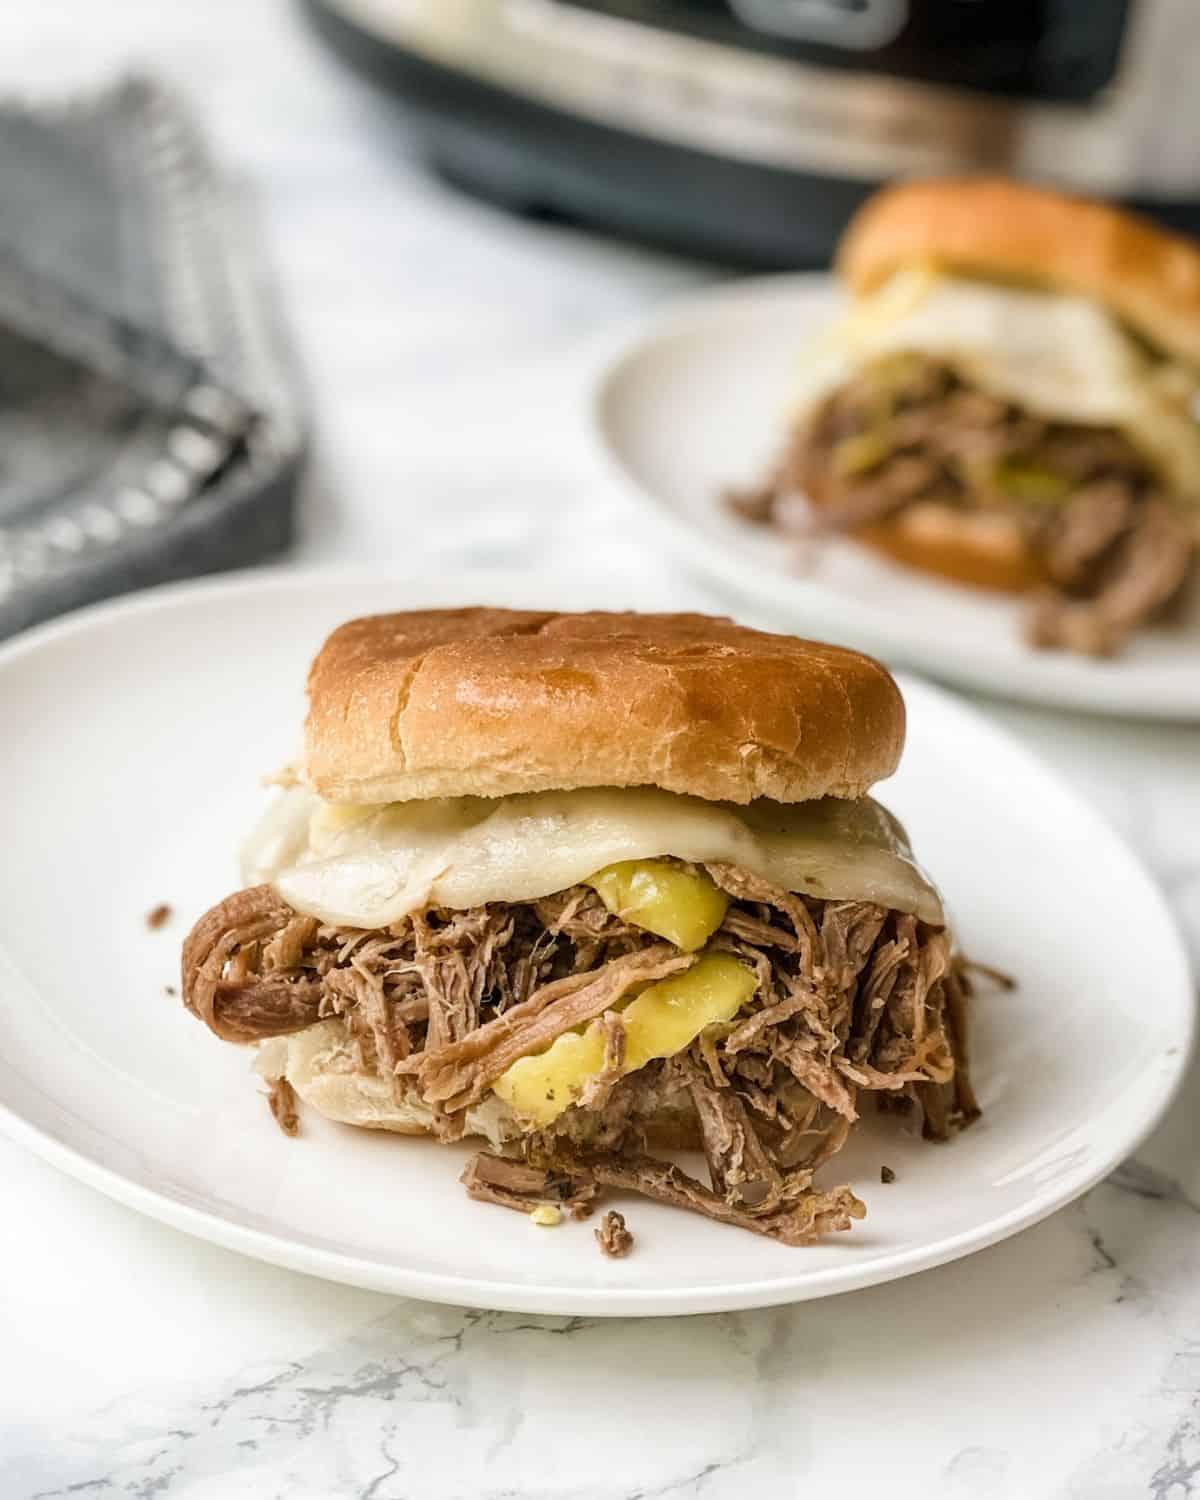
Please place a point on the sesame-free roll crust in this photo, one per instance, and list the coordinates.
(986, 548)
(489, 702)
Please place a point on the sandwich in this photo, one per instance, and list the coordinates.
(1009, 401)
(591, 888)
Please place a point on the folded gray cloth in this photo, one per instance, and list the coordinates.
(149, 422)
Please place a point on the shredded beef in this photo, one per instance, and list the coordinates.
(740, 1166)
(752, 502)
(598, 1089)
(513, 1184)
(802, 1221)
(229, 980)
(853, 1002)
(281, 1100)
(612, 1236)
(1151, 561)
(907, 430)
(1088, 525)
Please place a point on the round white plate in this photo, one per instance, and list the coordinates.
(697, 400)
(134, 738)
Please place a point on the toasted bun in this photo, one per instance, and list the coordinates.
(993, 227)
(985, 549)
(319, 1064)
(490, 702)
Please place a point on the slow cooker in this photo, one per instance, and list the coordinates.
(750, 129)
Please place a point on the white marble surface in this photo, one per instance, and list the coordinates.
(440, 341)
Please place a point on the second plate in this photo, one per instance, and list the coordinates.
(695, 401)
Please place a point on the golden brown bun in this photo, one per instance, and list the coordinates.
(985, 549)
(319, 1064)
(1013, 231)
(490, 702)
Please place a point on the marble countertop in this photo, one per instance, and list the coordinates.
(134, 1361)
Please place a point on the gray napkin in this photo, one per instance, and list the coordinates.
(149, 421)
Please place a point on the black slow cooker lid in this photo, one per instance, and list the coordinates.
(544, 159)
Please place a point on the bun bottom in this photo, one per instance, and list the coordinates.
(985, 549)
(320, 1064)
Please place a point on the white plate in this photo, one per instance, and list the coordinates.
(696, 400)
(134, 737)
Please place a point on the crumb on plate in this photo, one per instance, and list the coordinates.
(281, 1099)
(612, 1236)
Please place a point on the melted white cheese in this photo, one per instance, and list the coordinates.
(1063, 357)
(369, 866)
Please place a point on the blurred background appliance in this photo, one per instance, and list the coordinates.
(750, 129)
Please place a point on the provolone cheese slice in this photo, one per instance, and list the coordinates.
(1060, 356)
(370, 866)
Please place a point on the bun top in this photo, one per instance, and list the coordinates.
(491, 702)
(992, 227)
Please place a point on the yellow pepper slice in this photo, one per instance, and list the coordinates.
(682, 906)
(661, 1021)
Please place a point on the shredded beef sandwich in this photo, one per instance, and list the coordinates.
(592, 888)
(1010, 401)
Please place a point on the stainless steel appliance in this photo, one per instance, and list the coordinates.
(751, 128)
